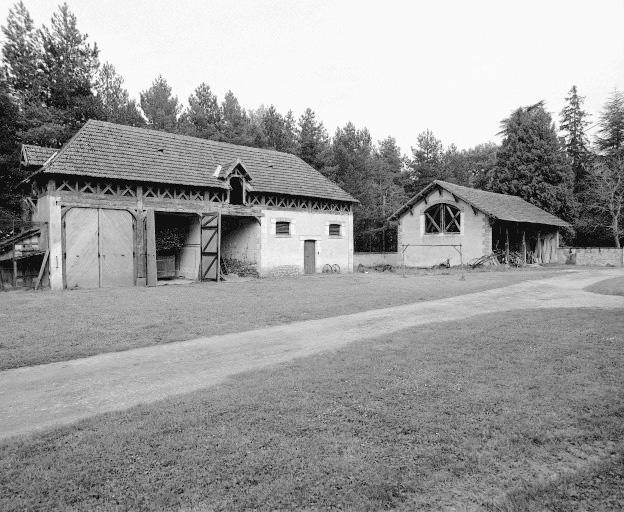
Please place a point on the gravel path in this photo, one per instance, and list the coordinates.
(39, 397)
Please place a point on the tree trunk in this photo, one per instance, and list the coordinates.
(616, 231)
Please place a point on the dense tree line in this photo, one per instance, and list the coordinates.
(51, 82)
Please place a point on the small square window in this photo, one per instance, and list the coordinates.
(282, 228)
(334, 230)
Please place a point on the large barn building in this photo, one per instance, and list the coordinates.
(104, 203)
(450, 222)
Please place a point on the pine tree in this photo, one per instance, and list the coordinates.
(117, 105)
(386, 173)
(10, 124)
(313, 141)
(279, 130)
(69, 65)
(21, 53)
(204, 117)
(51, 73)
(160, 107)
(530, 162)
(572, 124)
(610, 140)
(352, 161)
(235, 121)
(425, 165)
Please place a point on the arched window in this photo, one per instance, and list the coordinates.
(442, 218)
(236, 192)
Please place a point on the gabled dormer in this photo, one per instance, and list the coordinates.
(238, 179)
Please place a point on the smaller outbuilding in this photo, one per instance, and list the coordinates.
(450, 223)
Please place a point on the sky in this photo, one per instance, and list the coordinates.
(455, 67)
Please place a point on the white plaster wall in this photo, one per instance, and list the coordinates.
(243, 242)
(287, 251)
(49, 211)
(190, 254)
(475, 236)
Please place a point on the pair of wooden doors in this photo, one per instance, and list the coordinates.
(99, 248)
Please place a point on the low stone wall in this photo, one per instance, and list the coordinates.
(285, 271)
(372, 259)
(591, 256)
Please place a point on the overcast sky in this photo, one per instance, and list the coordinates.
(455, 67)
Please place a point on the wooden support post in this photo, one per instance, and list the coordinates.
(524, 251)
(538, 248)
(141, 250)
(461, 264)
(14, 269)
(42, 269)
(506, 245)
(150, 235)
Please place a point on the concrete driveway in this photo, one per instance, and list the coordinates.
(39, 397)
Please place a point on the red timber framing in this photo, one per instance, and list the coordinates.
(210, 269)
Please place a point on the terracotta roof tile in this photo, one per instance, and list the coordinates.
(36, 155)
(106, 150)
(499, 206)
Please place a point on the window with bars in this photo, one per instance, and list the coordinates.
(334, 230)
(442, 218)
(282, 228)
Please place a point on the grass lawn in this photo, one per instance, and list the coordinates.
(55, 326)
(614, 286)
(500, 412)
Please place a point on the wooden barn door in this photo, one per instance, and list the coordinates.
(309, 256)
(99, 248)
(81, 248)
(116, 248)
(210, 247)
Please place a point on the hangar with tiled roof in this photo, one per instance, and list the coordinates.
(121, 206)
(450, 223)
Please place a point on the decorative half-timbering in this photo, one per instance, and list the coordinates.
(119, 205)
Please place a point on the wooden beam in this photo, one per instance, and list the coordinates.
(140, 249)
(150, 236)
(14, 269)
(455, 197)
(507, 245)
(524, 250)
(474, 210)
(42, 269)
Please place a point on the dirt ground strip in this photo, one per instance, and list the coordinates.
(35, 398)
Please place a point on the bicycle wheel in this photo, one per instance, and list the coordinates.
(327, 268)
(336, 268)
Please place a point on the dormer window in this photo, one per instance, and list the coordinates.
(236, 175)
(237, 191)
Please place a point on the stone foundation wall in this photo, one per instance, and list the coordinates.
(600, 256)
(285, 271)
(372, 259)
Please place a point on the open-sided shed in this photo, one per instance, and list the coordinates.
(451, 222)
(120, 206)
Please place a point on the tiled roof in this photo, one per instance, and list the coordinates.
(498, 206)
(106, 150)
(36, 155)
